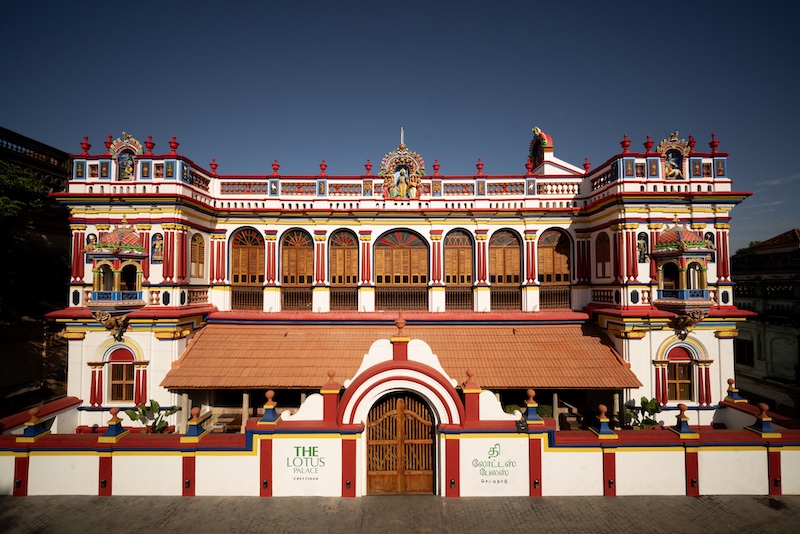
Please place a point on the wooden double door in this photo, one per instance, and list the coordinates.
(400, 452)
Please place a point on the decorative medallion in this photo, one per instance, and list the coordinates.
(674, 152)
(402, 171)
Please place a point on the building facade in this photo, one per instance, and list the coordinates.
(767, 350)
(591, 285)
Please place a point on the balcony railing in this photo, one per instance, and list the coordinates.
(506, 298)
(458, 298)
(296, 298)
(344, 298)
(683, 294)
(555, 298)
(115, 296)
(401, 298)
(247, 298)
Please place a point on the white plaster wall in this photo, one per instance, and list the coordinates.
(63, 474)
(733, 418)
(790, 472)
(494, 466)
(227, 475)
(733, 472)
(147, 474)
(6, 474)
(572, 473)
(650, 472)
(306, 466)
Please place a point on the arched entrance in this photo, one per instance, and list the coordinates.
(400, 452)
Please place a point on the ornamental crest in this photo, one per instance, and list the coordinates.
(126, 142)
(673, 157)
(402, 171)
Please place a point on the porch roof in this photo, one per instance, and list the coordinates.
(572, 356)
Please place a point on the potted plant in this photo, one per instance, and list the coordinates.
(643, 417)
(153, 414)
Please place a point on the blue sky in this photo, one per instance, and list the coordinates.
(248, 82)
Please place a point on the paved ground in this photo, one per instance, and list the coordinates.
(401, 514)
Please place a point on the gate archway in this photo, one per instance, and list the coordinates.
(400, 451)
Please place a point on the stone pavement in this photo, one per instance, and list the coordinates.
(400, 514)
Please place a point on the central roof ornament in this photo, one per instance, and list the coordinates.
(402, 171)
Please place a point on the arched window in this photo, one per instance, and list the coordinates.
(129, 278)
(554, 258)
(297, 259)
(247, 258)
(670, 275)
(694, 276)
(344, 258)
(603, 254)
(122, 376)
(458, 269)
(458, 259)
(680, 375)
(504, 258)
(708, 237)
(247, 270)
(106, 278)
(401, 271)
(198, 256)
(401, 258)
(344, 270)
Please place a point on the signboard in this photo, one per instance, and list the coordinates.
(307, 466)
(494, 466)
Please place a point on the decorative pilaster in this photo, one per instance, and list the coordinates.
(530, 257)
(182, 252)
(194, 430)
(704, 382)
(682, 427)
(723, 259)
(436, 257)
(78, 247)
(168, 265)
(140, 383)
(619, 253)
(481, 240)
(330, 398)
(271, 270)
(365, 237)
(114, 432)
(763, 424)
(532, 414)
(96, 385)
(603, 430)
(654, 228)
(661, 382)
(270, 417)
(144, 235)
(319, 257)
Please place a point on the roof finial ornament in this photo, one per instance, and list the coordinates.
(402, 136)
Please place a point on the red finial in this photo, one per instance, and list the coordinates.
(625, 143)
(195, 414)
(173, 145)
(764, 407)
(114, 419)
(85, 146)
(692, 142)
(479, 166)
(322, 167)
(368, 166)
(270, 395)
(602, 409)
(436, 167)
(713, 144)
(587, 165)
(649, 145)
(531, 394)
(108, 145)
(275, 167)
(529, 168)
(34, 413)
(213, 166)
(149, 144)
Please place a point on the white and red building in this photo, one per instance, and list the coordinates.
(390, 317)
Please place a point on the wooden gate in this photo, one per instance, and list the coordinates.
(400, 446)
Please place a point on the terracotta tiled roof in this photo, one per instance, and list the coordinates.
(299, 356)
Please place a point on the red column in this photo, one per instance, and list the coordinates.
(349, 466)
(692, 473)
(480, 236)
(265, 467)
(618, 256)
(658, 385)
(364, 237)
(535, 462)
(271, 269)
(21, 476)
(168, 264)
(212, 265)
(451, 468)
(609, 473)
(664, 388)
(725, 255)
(188, 482)
(701, 372)
(78, 263)
(707, 385)
(221, 268)
(104, 475)
(774, 469)
(145, 243)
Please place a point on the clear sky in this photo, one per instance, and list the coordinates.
(248, 82)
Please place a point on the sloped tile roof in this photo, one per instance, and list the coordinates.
(299, 356)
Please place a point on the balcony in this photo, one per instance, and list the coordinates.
(247, 298)
(106, 298)
(555, 298)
